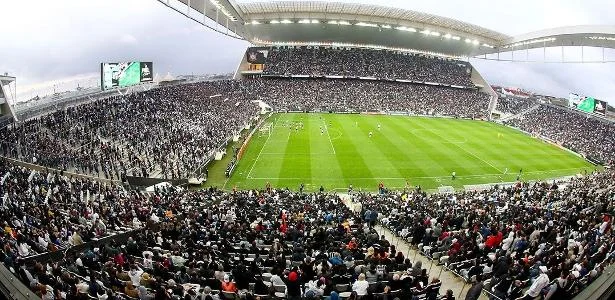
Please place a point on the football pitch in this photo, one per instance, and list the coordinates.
(336, 150)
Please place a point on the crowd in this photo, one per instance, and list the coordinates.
(43, 212)
(165, 132)
(356, 62)
(211, 244)
(577, 131)
(514, 105)
(529, 239)
(521, 241)
(342, 95)
(169, 132)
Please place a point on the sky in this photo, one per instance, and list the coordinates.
(62, 43)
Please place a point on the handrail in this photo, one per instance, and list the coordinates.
(12, 288)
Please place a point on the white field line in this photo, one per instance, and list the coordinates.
(297, 154)
(328, 136)
(260, 152)
(462, 148)
(420, 177)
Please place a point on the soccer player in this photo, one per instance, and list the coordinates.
(453, 175)
(378, 126)
(322, 130)
(370, 134)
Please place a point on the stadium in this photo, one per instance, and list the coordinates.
(355, 153)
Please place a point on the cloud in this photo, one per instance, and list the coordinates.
(72, 37)
(128, 39)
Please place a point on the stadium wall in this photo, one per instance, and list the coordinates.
(12, 288)
(602, 288)
(242, 66)
(485, 88)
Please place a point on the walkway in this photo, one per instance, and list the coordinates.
(449, 280)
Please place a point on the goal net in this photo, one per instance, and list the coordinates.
(265, 129)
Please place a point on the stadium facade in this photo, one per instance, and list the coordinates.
(124, 117)
(334, 23)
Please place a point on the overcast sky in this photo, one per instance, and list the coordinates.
(64, 41)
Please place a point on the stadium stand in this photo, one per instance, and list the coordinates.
(165, 123)
(169, 131)
(287, 244)
(514, 105)
(342, 95)
(357, 62)
(590, 136)
(512, 235)
(69, 237)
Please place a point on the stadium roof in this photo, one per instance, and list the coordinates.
(336, 23)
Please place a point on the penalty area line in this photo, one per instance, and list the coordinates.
(328, 135)
(261, 152)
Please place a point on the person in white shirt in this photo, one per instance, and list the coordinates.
(42, 242)
(135, 275)
(277, 280)
(361, 285)
(148, 264)
(23, 249)
(154, 218)
(508, 241)
(541, 282)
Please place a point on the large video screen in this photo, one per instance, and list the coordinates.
(125, 74)
(257, 55)
(587, 104)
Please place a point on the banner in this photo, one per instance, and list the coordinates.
(257, 55)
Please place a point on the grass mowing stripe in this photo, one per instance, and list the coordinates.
(326, 130)
(324, 166)
(412, 162)
(465, 150)
(484, 145)
(395, 155)
(297, 166)
(351, 162)
(449, 159)
(423, 150)
(376, 157)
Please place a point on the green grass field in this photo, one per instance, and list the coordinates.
(418, 150)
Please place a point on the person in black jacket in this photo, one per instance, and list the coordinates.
(293, 286)
(476, 289)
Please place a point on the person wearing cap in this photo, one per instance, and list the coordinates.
(293, 286)
(130, 290)
(146, 280)
(539, 283)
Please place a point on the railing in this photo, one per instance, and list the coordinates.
(12, 288)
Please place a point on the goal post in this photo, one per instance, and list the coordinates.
(266, 129)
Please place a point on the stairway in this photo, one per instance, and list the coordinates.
(522, 113)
